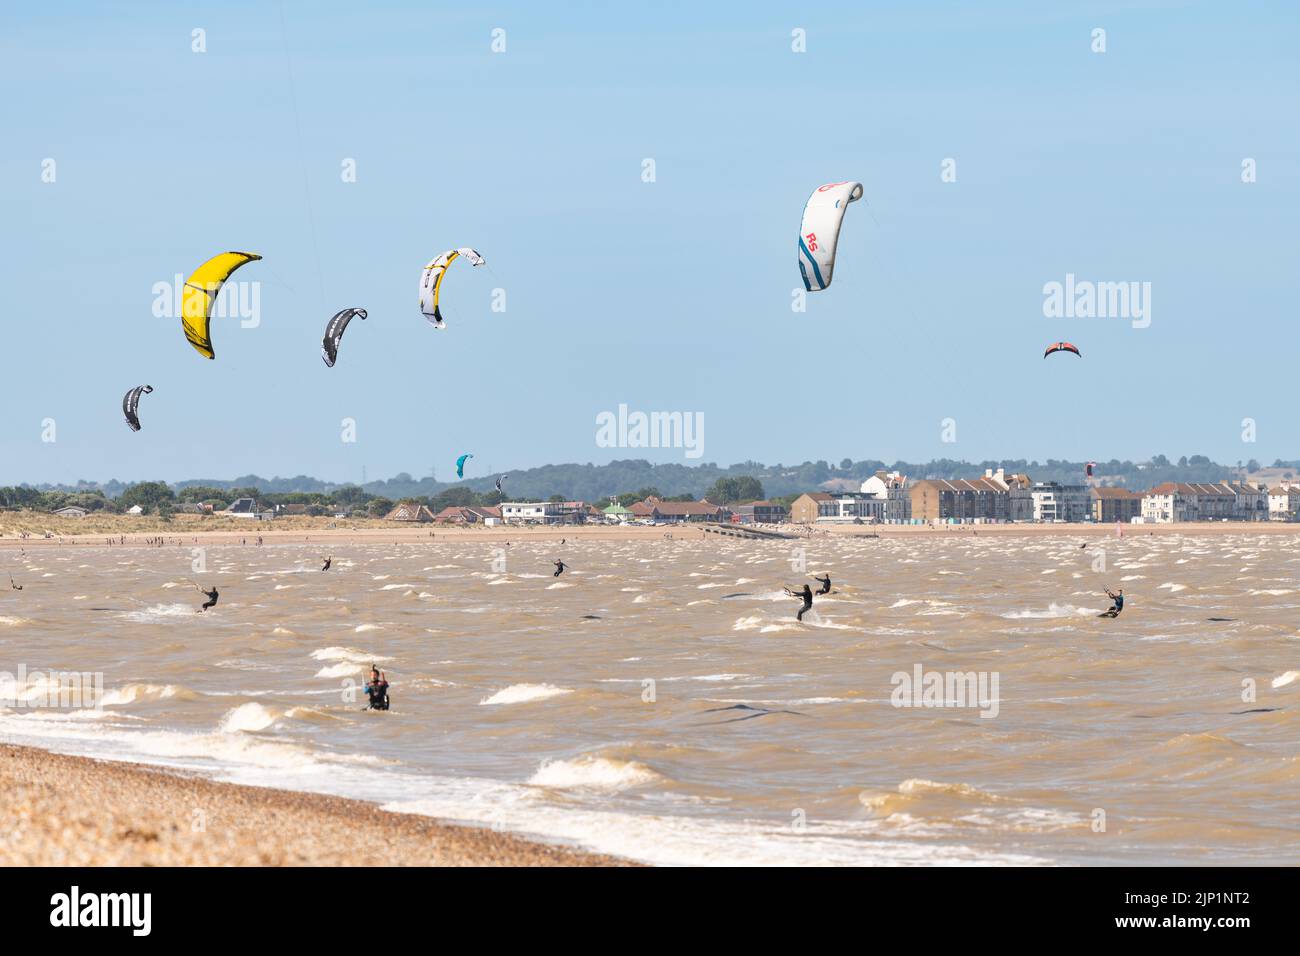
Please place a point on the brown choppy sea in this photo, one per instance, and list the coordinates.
(659, 700)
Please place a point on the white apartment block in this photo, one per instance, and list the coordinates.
(891, 488)
(1053, 502)
(532, 512)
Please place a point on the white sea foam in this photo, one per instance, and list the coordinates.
(1053, 610)
(349, 654)
(130, 693)
(340, 670)
(524, 693)
(592, 773)
(160, 612)
(247, 717)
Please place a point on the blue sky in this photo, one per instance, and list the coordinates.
(671, 295)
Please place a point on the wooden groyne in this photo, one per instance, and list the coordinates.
(752, 534)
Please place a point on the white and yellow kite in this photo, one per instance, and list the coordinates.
(431, 281)
(200, 293)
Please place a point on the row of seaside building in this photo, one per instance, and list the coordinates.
(892, 498)
(998, 497)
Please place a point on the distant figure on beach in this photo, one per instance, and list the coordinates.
(560, 568)
(826, 584)
(806, 595)
(328, 562)
(377, 689)
(211, 598)
(15, 587)
(1117, 606)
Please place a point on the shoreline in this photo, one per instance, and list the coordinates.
(179, 533)
(64, 810)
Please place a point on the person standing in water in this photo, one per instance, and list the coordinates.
(806, 595)
(328, 562)
(377, 689)
(826, 584)
(1117, 606)
(211, 598)
(560, 568)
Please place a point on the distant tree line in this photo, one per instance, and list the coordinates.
(744, 481)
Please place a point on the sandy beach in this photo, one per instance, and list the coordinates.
(72, 811)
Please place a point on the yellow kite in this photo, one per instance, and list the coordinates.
(200, 292)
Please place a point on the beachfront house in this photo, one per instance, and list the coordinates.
(549, 512)
(655, 509)
(810, 506)
(758, 512)
(467, 514)
(1115, 504)
(1055, 502)
(1206, 501)
(840, 507)
(1284, 502)
(530, 512)
(576, 512)
(891, 488)
(248, 508)
(615, 513)
(855, 507)
(409, 511)
(1189, 501)
(135, 510)
(72, 511)
(1020, 498)
(976, 500)
(1251, 501)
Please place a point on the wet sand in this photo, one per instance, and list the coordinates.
(73, 811)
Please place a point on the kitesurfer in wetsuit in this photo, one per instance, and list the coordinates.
(826, 584)
(1117, 606)
(328, 561)
(806, 595)
(16, 587)
(211, 598)
(560, 567)
(377, 689)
